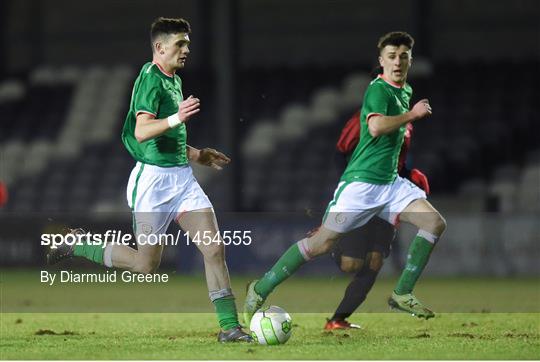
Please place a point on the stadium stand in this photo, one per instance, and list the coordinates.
(469, 147)
(48, 167)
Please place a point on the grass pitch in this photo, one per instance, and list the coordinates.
(505, 324)
(192, 336)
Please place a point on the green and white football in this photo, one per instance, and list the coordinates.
(271, 325)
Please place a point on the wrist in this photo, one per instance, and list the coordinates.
(413, 116)
(173, 120)
(194, 154)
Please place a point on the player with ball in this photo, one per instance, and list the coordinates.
(371, 187)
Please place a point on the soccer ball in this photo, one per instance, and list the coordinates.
(271, 325)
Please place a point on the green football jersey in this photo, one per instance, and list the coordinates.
(375, 159)
(156, 93)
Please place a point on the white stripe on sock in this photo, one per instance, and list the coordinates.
(304, 250)
(428, 236)
(107, 256)
(217, 294)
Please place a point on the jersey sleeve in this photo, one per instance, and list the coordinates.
(376, 101)
(146, 98)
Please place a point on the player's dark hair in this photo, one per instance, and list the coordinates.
(166, 26)
(396, 38)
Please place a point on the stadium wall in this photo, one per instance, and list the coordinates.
(271, 32)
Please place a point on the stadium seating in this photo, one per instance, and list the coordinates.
(61, 151)
(469, 137)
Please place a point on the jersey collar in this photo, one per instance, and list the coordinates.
(163, 70)
(393, 84)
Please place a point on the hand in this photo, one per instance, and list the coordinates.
(212, 158)
(188, 108)
(421, 109)
(419, 179)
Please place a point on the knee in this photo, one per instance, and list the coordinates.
(351, 265)
(319, 244)
(439, 225)
(324, 247)
(146, 265)
(433, 223)
(375, 261)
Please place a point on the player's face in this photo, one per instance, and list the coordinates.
(396, 62)
(173, 50)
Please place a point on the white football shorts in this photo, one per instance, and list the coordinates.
(355, 203)
(157, 195)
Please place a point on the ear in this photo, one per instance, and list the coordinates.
(380, 61)
(158, 46)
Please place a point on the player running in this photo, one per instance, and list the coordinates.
(370, 186)
(162, 187)
(363, 250)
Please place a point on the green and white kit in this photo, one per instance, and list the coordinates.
(161, 185)
(370, 185)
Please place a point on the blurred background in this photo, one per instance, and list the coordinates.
(278, 80)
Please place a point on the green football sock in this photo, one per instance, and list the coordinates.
(417, 258)
(284, 268)
(226, 312)
(91, 252)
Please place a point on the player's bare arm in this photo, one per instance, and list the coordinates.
(208, 157)
(379, 125)
(148, 127)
